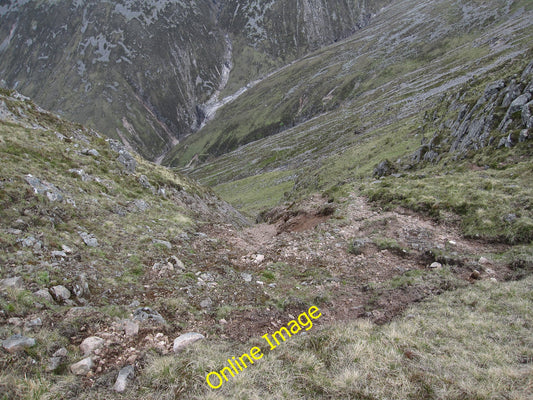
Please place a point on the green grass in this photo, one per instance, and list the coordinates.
(251, 194)
(494, 203)
(468, 343)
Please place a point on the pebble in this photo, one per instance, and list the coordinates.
(88, 239)
(475, 274)
(131, 328)
(435, 265)
(60, 292)
(122, 378)
(82, 367)
(484, 261)
(146, 313)
(207, 303)
(44, 294)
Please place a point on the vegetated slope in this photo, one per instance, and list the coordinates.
(98, 243)
(450, 126)
(66, 187)
(141, 72)
(409, 54)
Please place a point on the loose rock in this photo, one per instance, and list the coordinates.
(435, 265)
(207, 303)
(82, 367)
(90, 344)
(168, 245)
(33, 325)
(131, 328)
(88, 239)
(18, 343)
(53, 364)
(61, 293)
(48, 189)
(62, 352)
(122, 379)
(147, 314)
(484, 261)
(15, 283)
(81, 288)
(185, 340)
(475, 275)
(44, 294)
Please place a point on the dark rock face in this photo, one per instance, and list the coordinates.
(134, 70)
(384, 168)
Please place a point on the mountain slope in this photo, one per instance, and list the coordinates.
(106, 259)
(141, 72)
(135, 71)
(412, 47)
(65, 186)
(422, 110)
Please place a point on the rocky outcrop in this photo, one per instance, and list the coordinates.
(502, 116)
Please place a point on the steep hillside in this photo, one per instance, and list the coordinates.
(411, 53)
(135, 71)
(439, 122)
(390, 176)
(142, 72)
(272, 33)
(111, 267)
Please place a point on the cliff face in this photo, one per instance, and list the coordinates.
(141, 71)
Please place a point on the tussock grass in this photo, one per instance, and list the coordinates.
(493, 203)
(470, 343)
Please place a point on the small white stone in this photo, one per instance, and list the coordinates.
(122, 379)
(484, 261)
(62, 352)
(435, 265)
(60, 292)
(131, 328)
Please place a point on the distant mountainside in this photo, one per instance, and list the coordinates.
(409, 55)
(142, 71)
